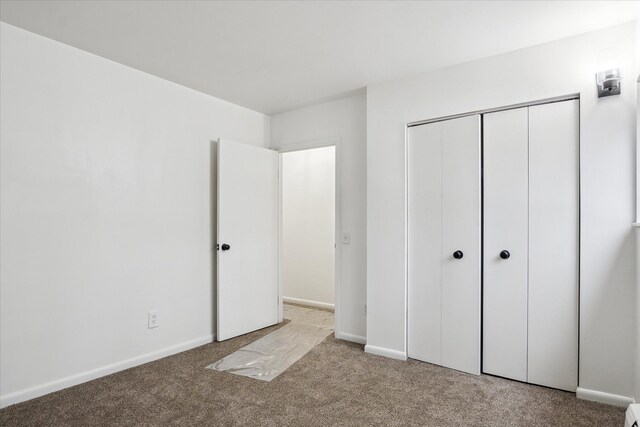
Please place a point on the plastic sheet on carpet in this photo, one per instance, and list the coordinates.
(269, 356)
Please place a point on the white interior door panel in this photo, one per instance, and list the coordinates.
(444, 217)
(553, 244)
(461, 231)
(505, 229)
(425, 242)
(247, 285)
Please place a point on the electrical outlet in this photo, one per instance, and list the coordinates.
(154, 319)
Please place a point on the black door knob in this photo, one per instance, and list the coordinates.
(225, 247)
(458, 254)
(505, 254)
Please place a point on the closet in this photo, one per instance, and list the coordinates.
(493, 229)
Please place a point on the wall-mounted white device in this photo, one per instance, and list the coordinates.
(608, 82)
(153, 319)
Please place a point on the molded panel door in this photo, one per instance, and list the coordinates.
(424, 242)
(461, 232)
(505, 229)
(247, 286)
(553, 244)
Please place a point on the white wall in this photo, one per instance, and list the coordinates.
(106, 213)
(345, 119)
(308, 224)
(607, 185)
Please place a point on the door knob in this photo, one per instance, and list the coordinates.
(225, 247)
(505, 254)
(458, 254)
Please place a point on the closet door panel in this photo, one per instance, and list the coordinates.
(461, 232)
(424, 242)
(553, 244)
(505, 228)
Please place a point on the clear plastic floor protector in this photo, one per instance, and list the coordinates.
(269, 356)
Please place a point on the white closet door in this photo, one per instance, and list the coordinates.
(444, 217)
(424, 242)
(461, 232)
(553, 244)
(505, 229)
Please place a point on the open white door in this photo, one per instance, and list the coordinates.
(247, 285)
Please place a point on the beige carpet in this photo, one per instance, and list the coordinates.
(336, 383)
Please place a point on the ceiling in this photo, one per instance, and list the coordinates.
(274, 56)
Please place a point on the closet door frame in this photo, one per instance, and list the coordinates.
(568, 97)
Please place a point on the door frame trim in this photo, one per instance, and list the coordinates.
(336, 142)
(496, 109)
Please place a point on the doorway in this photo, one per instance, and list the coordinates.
(276, 242)
(249, 241)
(308, 224)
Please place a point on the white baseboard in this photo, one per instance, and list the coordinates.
(309, 303)
(50, 387)
(602, 397)
(386, 352)
(351, 337)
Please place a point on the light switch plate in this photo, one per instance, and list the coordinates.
(346, 238)
(154, 319)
